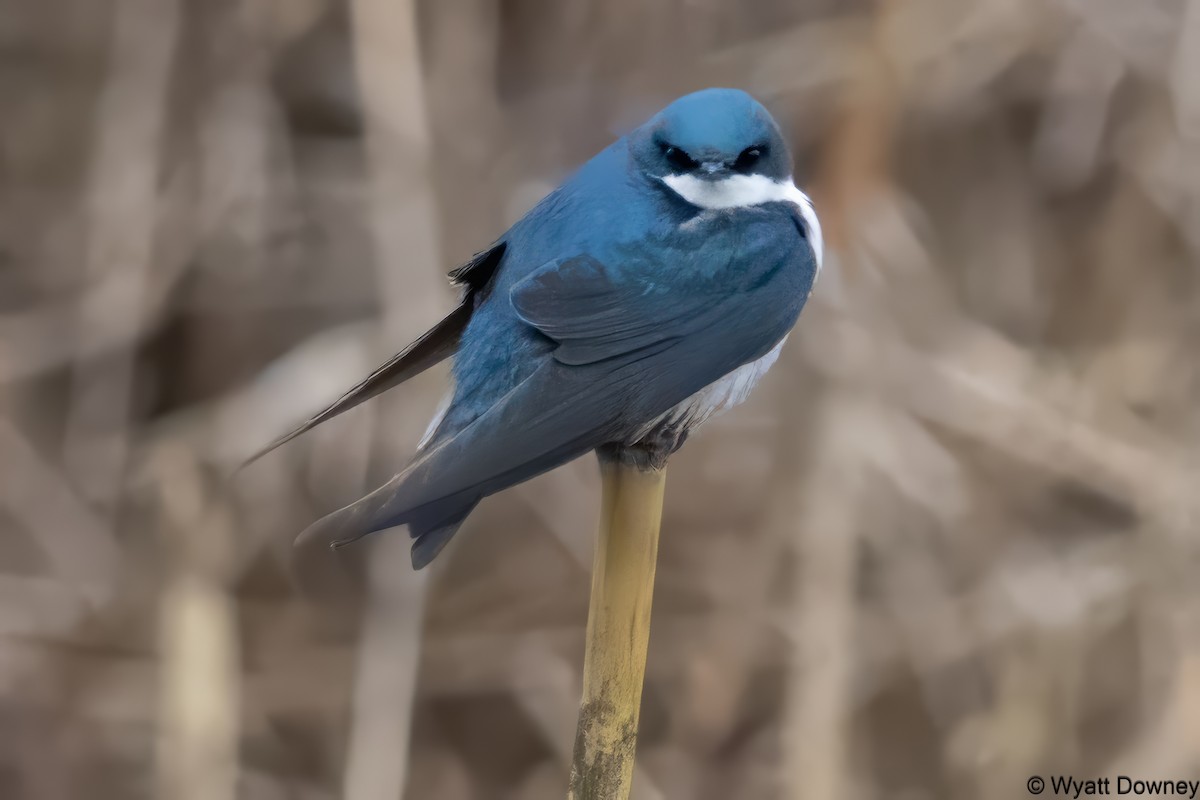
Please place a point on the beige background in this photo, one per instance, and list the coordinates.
(949, 543)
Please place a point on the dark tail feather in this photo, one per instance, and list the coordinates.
(431, 527)
(436, 344)
(429, 539)
(325, 570)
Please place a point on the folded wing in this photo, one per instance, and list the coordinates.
(632, 343)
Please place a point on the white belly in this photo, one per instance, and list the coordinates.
(719, 395)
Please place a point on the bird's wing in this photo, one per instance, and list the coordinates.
(657, 293)
(433, 346)
(596, 312)
(631, 346)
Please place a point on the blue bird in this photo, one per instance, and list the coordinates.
(649, 291)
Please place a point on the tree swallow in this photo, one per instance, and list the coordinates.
(649, 291)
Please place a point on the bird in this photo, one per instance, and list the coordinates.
(652, 289)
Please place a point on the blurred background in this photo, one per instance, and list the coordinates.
(949, 543)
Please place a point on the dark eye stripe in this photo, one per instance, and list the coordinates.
(749, 157)
(678, 159)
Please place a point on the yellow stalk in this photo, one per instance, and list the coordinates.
(618, 631)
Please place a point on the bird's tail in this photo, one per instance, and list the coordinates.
(431, 526)
(430, 537)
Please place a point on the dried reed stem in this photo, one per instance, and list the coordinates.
(404, 230)
(199, 683)
(618, 631)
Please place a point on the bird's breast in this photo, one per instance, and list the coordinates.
(723, 393)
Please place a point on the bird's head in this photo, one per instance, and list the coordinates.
(714, 148)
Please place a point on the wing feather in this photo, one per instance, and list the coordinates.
(432, 347)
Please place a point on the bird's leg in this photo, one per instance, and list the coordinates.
(649, 452)
(618, 628)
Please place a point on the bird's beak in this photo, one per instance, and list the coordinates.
(713, 170)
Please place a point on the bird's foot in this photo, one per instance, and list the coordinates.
(648, 453)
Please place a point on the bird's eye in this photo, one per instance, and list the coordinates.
(678, 159)
(748, 158)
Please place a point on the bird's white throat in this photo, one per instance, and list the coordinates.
(739, 191)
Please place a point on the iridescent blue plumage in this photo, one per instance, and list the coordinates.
(652, 287)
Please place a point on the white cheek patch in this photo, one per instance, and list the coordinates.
(740, 191)
(736, 191)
